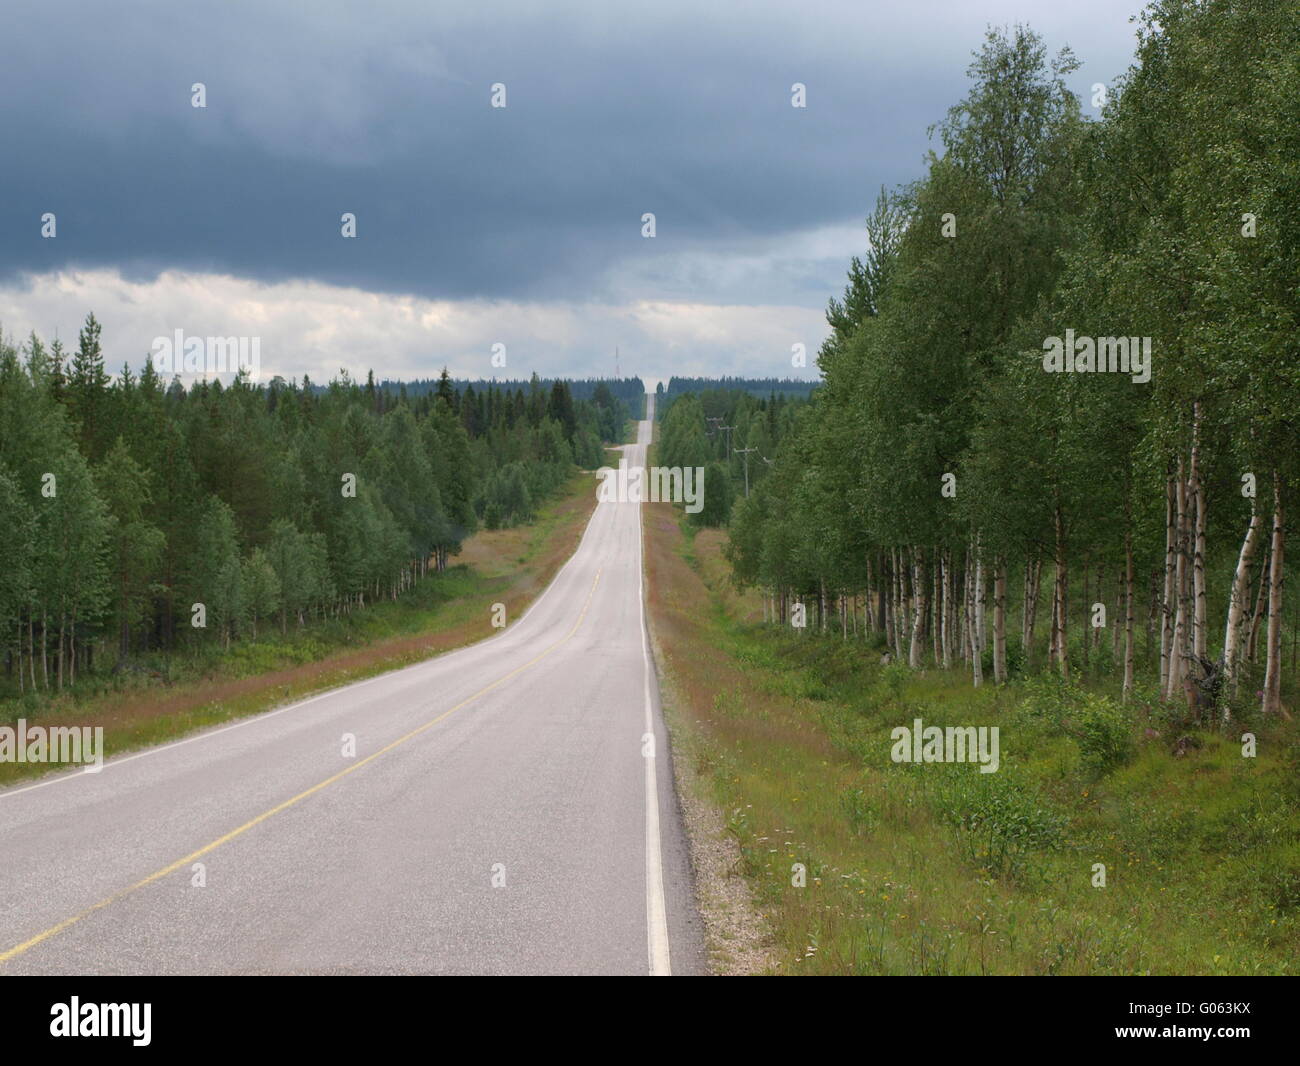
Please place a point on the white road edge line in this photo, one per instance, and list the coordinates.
(262, 716)
(656, 911)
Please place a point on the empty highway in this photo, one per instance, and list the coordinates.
(503, 813)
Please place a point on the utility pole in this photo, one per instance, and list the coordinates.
(726, 429)
(745, 452)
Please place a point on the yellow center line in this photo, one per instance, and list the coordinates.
(54, 930)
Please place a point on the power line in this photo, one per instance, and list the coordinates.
(745, 452)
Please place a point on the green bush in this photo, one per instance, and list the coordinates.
(999, 822)
(1100, 726)
(1104, 733)
(893, 679)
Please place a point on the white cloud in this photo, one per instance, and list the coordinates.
(308, 327)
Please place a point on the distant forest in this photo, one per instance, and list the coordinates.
(630, 390)
(790, 388)
(132, 508)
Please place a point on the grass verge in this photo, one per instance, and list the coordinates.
(936, 868)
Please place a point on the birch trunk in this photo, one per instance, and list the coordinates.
(1178, 642)
(1034, 582)
(1258, 612)
(897, 604)
(1166, 607)
(945, 589)
(954, 612)
(999, 620)
(966, 606)
(936, 605)
(1232, 635)
(1272, 702)
(1052, 658)
(918, 609)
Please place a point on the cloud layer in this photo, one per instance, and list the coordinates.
(383, 110)
(313, 328)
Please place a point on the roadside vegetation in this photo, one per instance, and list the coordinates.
(145, 521)
(204, 685)
(1042, 489)
(1059, 393)
(939, 869)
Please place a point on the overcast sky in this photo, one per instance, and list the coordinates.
(475, 225)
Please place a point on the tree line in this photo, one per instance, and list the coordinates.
(983, 445)
(787, 388)
(729, 433)
(140, 515)
(602, 391)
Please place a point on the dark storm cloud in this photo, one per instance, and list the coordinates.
(314, 110)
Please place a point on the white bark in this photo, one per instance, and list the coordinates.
(999, 621)
(918, 610)
(1272, 702)
(1232, 636)
(1178, 641)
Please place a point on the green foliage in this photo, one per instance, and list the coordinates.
(1000, 822)
(893, 679)
(939, 448)
(716, 503)
(728, 433)
(1105, 734)
(1101, 727)
(126, 500)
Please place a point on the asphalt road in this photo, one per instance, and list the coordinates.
(500, 816)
